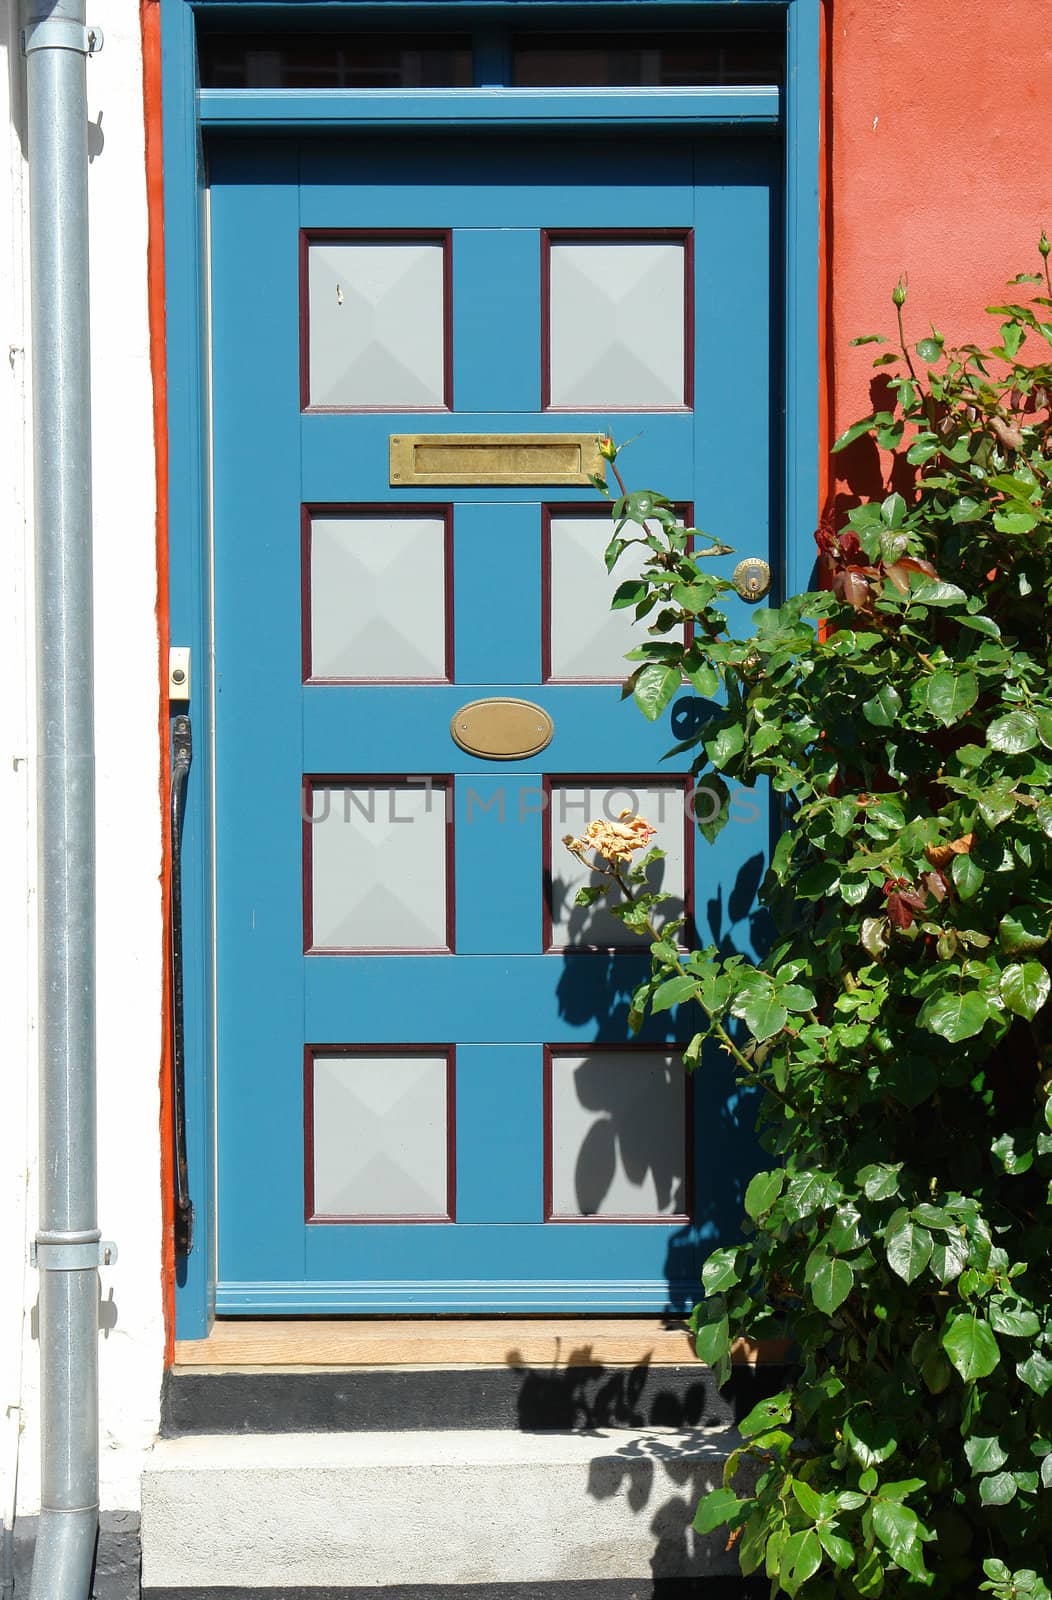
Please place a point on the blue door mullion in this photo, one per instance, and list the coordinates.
(499, 1086)
(497, 369)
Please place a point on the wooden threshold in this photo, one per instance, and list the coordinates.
(551, 1342)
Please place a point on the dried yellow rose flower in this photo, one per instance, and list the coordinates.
(616, 842)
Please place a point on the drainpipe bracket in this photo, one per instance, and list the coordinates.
(61, 33)
(71, 1254)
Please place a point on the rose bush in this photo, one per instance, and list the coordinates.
(899, 1026)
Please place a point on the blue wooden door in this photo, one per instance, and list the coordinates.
(428, 1097)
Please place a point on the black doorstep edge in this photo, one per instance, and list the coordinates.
(583, 1589)
(393, 1399)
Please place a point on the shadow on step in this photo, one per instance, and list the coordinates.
(580, 1394)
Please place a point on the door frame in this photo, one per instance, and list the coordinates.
(187, 114)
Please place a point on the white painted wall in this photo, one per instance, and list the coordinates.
(130, 960)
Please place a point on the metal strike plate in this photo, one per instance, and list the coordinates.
(178, 673)
(751, 578)
(494, 458)
(502, 730)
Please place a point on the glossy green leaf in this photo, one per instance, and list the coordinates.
(950, 694)
(655, 687)
(673, 992)
(868, 1577)
(971, 1346)
(808, 1499)
(831, 1281)
(839, 1550)
(720, 1270)
(1036, 1372)
(1025, 988)
(1025, 928)
(1013, 733)
(870, 1437)
(883, 709)
(897, 1527)
(849, 435)
(968, 876)
(955, 1016)
(704, 678)
(880, 1182)
(809, 1192)
(776, 1408)
(949, 1257)
(933, 592)
(722, 748)
(909, 1248)
(717, 1507)
(712, 1340)
(764, 1016)
(997, 1489)
(629, 593)
(1016, 1321)
(985, 1453)
(801, 1559)
(763, 1191)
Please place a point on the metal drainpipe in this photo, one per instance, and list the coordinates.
(68, 1248)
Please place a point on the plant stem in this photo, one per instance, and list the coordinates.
(905, 347)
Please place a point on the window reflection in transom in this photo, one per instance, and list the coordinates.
(655, 60)
(333, 61)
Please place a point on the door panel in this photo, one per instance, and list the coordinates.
(402, 1031)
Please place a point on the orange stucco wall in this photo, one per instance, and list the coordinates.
(940, 165)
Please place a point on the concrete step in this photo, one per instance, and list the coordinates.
(494, 1514)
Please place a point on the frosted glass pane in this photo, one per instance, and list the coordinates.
(572, 808)
(378, 597)
(617, 324)
(380, 1136)
(378, 867)
(586, 638)
(377, 323)
(618, 1146)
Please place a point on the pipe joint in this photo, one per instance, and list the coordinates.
(72, 1252)
(61, 33)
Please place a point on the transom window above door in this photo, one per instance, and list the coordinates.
(624, 58)
(615, 328)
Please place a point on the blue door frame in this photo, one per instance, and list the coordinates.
(188, 114)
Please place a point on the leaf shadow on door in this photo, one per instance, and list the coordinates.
(594, 996)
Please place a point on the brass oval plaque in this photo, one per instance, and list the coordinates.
(502, 730)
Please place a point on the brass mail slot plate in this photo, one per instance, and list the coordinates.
(494, 458)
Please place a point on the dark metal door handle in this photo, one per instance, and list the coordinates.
(182, 755)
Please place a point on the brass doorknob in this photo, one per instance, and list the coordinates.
(751, 578)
